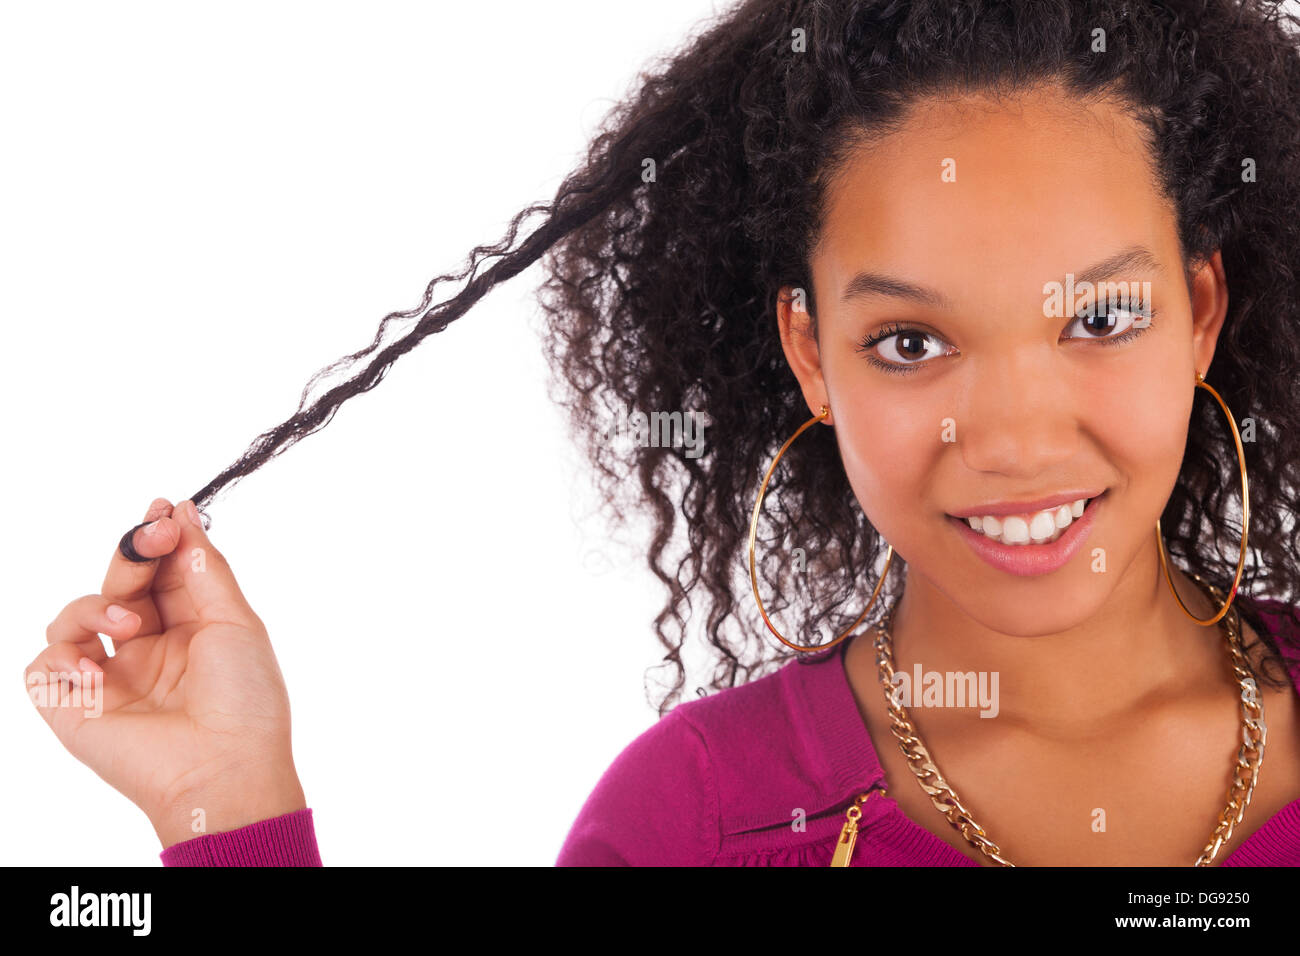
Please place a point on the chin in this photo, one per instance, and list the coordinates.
(1023, 619)
(1055, 607)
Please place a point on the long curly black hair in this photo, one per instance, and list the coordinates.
(702, 196)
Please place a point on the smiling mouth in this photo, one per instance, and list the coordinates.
(1031, 529)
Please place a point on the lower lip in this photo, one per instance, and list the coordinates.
(1032, 559)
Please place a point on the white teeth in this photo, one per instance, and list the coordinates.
(1041, 527)
(1015, 530)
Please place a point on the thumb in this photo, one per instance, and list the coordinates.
(208, 578)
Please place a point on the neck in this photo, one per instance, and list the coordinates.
(1135, 648)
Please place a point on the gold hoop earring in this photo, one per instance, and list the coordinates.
(1245, 519)
(753, 536)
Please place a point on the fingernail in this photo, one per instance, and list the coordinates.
(151, 528)
(192, 512)
(86, 664)
(116, 612)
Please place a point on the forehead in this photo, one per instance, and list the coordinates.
(1030, 185)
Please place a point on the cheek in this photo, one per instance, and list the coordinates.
(1142, 429)
(890, 451)
(1137, 398)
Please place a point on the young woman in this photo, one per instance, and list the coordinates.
(990, 311)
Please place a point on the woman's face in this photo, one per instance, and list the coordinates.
(996, 395)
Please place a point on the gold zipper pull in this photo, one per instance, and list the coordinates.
(848, 837)
(849, 834)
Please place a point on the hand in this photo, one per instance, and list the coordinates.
(195, 713)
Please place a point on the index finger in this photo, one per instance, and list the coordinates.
(128, 580)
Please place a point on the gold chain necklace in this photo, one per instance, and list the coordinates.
(1246, 772)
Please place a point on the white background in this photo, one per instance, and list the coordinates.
(202, 206)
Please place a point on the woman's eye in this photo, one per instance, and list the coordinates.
(1110, 321)
(900, 348)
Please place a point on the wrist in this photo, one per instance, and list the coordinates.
(229, 804)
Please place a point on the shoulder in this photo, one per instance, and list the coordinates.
(707, 769)
(1282, 622)
(656, 804)
(722, 715)
(1279, 617)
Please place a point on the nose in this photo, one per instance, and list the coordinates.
(1022, 417)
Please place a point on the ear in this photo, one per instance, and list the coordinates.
(1209, 307)
(799, 343)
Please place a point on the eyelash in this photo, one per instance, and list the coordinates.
(1141, 310)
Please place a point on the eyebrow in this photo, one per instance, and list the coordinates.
(869, 284)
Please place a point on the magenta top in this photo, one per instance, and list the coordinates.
(717, 781)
